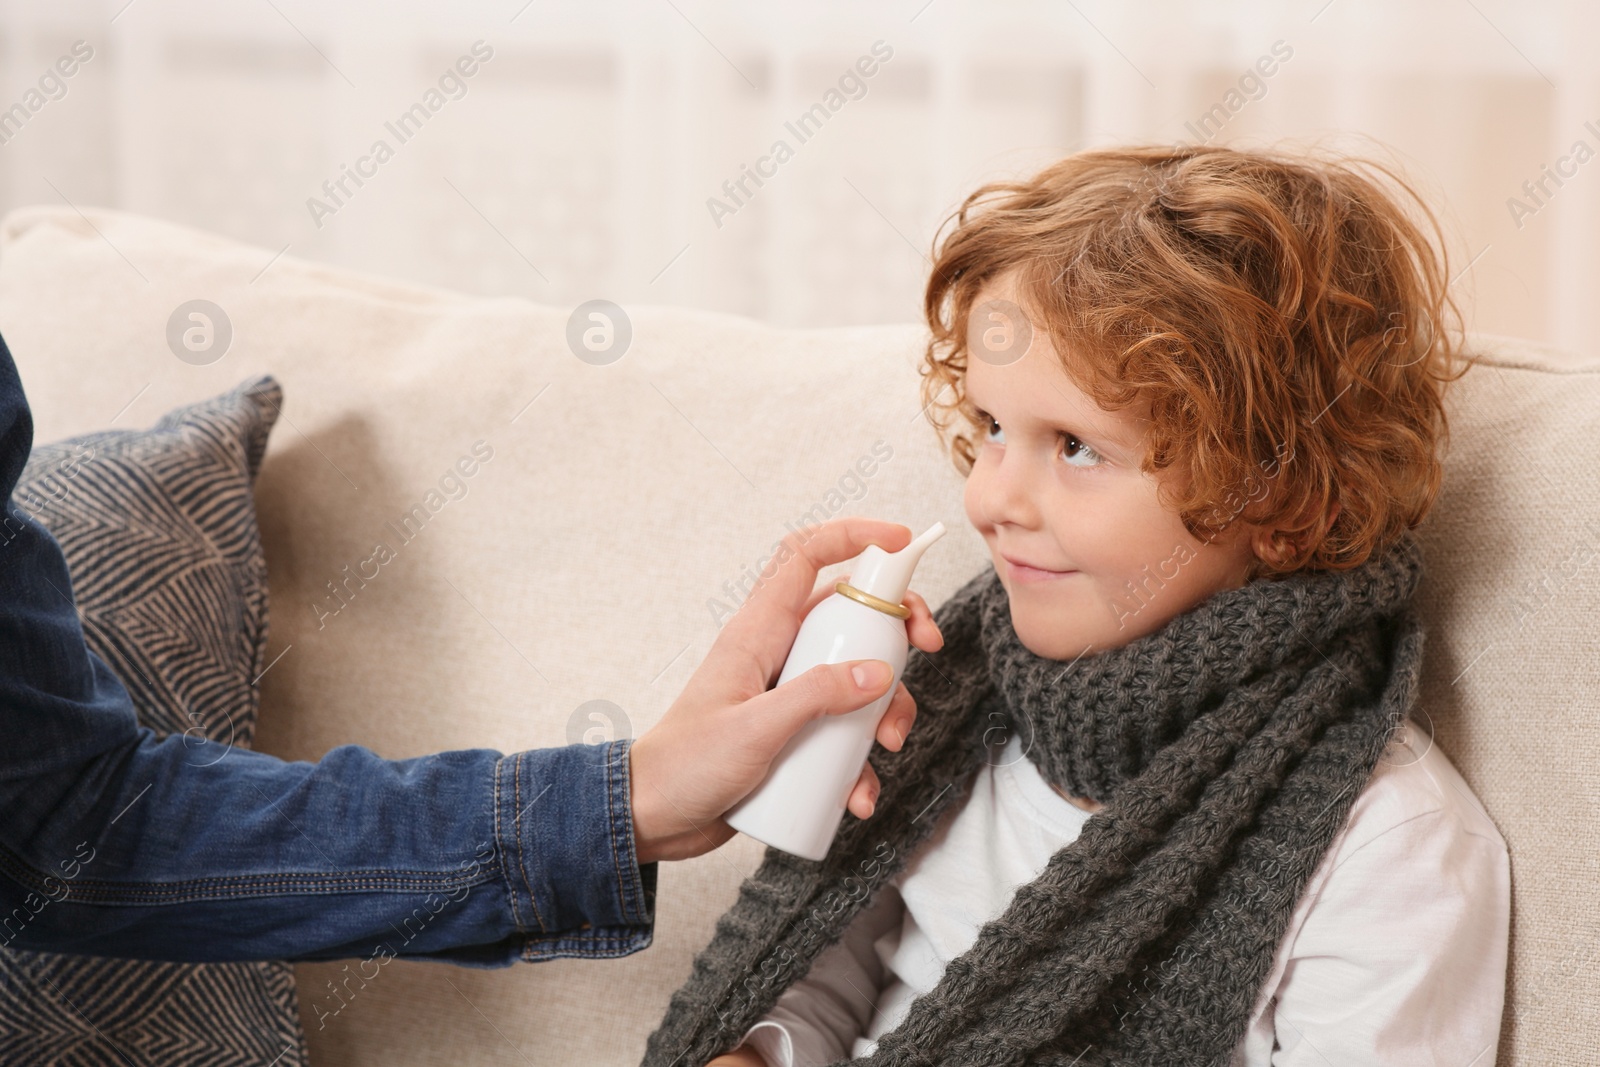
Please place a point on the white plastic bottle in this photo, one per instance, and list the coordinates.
(799, 804)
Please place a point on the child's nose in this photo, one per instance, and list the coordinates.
(1010, 491)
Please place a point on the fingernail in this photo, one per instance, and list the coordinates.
(873, 674)
(902, 727)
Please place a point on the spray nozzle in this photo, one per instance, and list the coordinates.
(887, 575)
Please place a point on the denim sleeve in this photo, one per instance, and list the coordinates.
(117, 842)
(467, 856)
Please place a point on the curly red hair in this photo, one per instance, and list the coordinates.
(1284, 317)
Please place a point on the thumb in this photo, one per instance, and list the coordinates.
(826, 689)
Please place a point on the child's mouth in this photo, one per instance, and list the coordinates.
(1023, 572)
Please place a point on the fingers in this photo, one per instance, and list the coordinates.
(826, 689)
(864, 797)
(767, 621)
(842, 539)
(823, 591)
(920, 627)
(895, 726)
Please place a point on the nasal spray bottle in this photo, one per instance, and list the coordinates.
(799, 804)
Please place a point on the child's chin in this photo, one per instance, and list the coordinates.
(1046, 636)
(1066, 632)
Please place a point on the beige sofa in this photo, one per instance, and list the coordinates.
(625, 502)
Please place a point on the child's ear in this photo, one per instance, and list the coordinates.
(1265, 544)
(1270, 545)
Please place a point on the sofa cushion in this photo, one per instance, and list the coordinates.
(159, 532)
(628, 503)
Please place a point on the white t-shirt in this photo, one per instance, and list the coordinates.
(1395, 954)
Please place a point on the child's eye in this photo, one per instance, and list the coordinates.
(1067, 441)
(1074, 451)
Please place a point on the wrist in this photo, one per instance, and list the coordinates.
(644, 801)
(661, 828)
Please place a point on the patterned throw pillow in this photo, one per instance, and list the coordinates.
(159, 531)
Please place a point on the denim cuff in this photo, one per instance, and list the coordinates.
(564, 827)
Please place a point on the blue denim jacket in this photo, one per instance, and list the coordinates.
(113, 842)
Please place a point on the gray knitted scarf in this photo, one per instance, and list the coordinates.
(1227, 747)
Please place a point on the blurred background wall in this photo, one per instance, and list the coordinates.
(578, 159)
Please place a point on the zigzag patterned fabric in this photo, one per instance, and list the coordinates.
(159, 531)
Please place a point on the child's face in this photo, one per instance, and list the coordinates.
(1056, 484)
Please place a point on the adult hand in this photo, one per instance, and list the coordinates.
(717, 740)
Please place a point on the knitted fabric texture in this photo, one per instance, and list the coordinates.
(1227, 748)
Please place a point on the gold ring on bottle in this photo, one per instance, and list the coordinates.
(888, 607)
